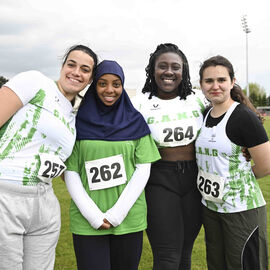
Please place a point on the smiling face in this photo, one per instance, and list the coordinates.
(75, 74)
(168, 74)
(216, 84)
(109, 88)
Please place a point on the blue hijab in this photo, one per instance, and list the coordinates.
(119, 122)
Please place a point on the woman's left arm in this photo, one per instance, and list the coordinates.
(261, 157)
(130, 194)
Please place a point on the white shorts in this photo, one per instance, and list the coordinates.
(29, 228)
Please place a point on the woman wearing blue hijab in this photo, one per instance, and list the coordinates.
(106, 175)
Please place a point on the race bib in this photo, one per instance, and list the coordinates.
(105, 172)
(211, 186)
(51, 166)
(173, 135)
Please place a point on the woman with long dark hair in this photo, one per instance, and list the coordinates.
(234, 210)
(37, 134)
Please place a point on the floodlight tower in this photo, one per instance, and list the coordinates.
(246, 30)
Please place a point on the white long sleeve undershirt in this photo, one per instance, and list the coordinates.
(130, 194)
(119, 211)
(82, 200)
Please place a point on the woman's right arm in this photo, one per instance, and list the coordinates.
(10, 103)
(86, 205)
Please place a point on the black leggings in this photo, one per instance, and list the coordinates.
(108, 252)
(174, 213)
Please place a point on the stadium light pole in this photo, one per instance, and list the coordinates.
(246, 30)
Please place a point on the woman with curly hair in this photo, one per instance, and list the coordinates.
(173, 112)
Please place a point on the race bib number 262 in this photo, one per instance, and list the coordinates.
(105, 172)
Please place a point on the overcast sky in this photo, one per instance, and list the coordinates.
(34, 34)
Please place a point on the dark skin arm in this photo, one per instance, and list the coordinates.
(106, 225)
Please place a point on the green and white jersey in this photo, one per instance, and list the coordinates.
(172, 122)
(225, 178)
(38, 138)
(105, 168)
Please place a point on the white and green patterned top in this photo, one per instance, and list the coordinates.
(172, 122)
(225, 179)
(45, 124)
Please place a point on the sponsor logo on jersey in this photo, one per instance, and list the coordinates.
(155, 107)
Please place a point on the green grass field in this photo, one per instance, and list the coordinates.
(65, 258)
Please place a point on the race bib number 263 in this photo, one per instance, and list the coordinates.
(211, 186)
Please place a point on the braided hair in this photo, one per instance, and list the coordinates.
(184, 88)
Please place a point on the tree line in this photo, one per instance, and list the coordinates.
(257, 93)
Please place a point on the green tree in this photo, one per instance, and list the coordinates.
(263, 101)
(257, 94)
(268, 101)
(3, 80)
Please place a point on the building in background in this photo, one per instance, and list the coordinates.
(264, 110)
